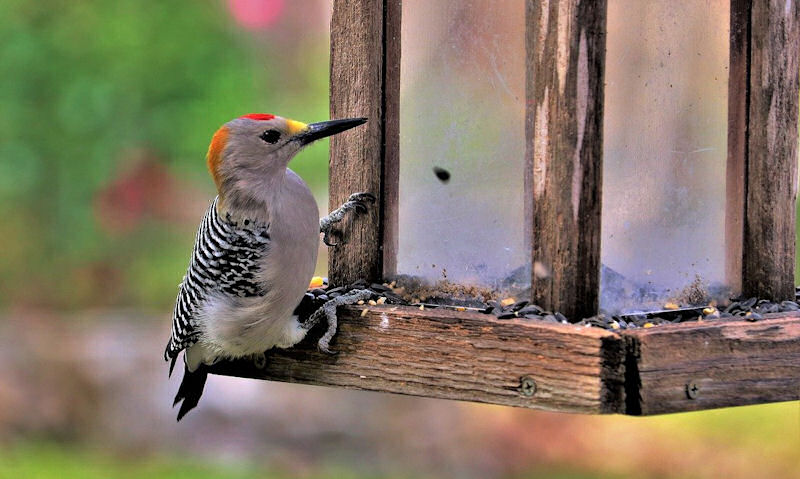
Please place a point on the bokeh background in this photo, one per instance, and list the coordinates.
(106, 110)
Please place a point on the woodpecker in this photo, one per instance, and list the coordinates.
(255, 250)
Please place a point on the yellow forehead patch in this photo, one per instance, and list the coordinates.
(295, 127)
(215, 149)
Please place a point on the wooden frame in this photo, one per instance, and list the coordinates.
(555, 367)
(762, 147)
(365, 81)
(476, 357)
(564, 145)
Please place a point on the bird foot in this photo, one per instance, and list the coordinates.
(357, 202)
(328, 311)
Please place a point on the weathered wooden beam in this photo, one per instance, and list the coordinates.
(765, 46)
(712, 364)
(365, 56)
(459, 355)
(565, 44)
(391, 153)
(738, 72)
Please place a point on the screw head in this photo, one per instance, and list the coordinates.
(692, 390)
(527, 386)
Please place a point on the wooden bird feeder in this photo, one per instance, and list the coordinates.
(554, 105)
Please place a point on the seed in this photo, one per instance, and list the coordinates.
(507, 302)
(749, 303)
(614, 325)
(753, 316)
(789, 306)
(316, 282)
(648, 325)
(381, 300)
(360, 302)
(530, 309)
(671, 305)
(422, 307)
(364, 312)
(461, 308)
(709, 310)
(372, 302)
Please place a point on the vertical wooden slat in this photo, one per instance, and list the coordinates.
(358, 79)
(565, 43)
(391, 156)
(769, 148)
(737, 141)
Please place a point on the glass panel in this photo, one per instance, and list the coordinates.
(665, 152)
(462, 143)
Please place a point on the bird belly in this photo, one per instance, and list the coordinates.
(240, 326)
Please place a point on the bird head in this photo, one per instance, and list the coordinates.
(251, 152)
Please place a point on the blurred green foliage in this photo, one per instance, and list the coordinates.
(85, 87)
(51, 461)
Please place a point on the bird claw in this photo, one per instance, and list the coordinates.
(357, 202)
(325, 348)
(260, 360)
(328, 311)
(360, 199)
(326, 237)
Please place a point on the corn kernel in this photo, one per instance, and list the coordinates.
(460, 308)
(364, 312)
(648, 325)
(381, 300)
(507, 302)
(671, 305)
(709, 310)
(372, 302)
(316, 282)
(360, 302)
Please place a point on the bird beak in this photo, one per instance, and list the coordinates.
(315, 131)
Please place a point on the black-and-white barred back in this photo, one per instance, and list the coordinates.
(225, 259)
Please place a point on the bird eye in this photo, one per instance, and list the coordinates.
(271, 136)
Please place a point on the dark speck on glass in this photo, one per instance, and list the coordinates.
(442, 174)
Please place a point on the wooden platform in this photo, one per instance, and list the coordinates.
(557, 367)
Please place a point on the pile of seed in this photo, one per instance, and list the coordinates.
(751, 309)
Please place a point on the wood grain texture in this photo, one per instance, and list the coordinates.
(357, 63)
(738, 75)
(771, 151)
(565, 44)
(391, 154)
(732, 363)
(458, 355)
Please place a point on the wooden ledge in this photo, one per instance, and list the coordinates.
(475, 357)
(458, 355)
(710, 364)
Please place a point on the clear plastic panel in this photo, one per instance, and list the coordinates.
(462, 143)
(665, 146)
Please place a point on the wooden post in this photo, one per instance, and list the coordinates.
(565, 43)
(365, 59)
(762, 161)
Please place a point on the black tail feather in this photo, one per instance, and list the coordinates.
(172, 366)
(191, 389)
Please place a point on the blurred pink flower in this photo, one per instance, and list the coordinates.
(256, 14)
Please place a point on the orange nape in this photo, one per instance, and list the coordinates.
(214, 155)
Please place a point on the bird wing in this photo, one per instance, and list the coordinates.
(225, 259)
